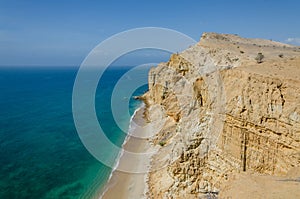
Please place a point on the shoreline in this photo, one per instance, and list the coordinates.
(122, 184)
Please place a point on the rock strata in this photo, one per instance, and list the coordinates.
(223, 113)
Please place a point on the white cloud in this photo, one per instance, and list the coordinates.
(293, 40)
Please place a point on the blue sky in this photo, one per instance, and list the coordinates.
(64, 32)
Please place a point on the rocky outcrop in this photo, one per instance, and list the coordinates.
(224, 113)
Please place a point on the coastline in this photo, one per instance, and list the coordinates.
(131, 185)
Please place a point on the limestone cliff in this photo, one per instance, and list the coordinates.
(226, 110)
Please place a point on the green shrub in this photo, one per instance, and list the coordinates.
(259, 58)
(162, 143)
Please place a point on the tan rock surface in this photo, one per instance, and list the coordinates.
(244, 185)
(225, 113)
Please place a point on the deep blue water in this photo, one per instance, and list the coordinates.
(41, 155)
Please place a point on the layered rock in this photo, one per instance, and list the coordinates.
(223, 113)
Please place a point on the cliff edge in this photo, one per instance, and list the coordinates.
(229, 109)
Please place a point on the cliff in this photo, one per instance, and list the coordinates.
(228, 107)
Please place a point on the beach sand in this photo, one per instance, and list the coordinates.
(131, 185)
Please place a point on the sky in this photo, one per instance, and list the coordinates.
(62, 33)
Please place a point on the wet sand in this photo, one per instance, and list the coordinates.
(132, 185)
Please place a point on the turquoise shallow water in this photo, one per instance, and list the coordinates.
(41, 155)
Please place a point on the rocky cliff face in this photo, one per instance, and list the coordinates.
(223, 112)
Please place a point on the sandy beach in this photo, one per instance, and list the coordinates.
(131, 185)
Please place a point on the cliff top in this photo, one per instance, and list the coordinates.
(279, 60)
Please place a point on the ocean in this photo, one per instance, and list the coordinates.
(41, 153)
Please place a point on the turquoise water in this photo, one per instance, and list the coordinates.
(41, 155)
